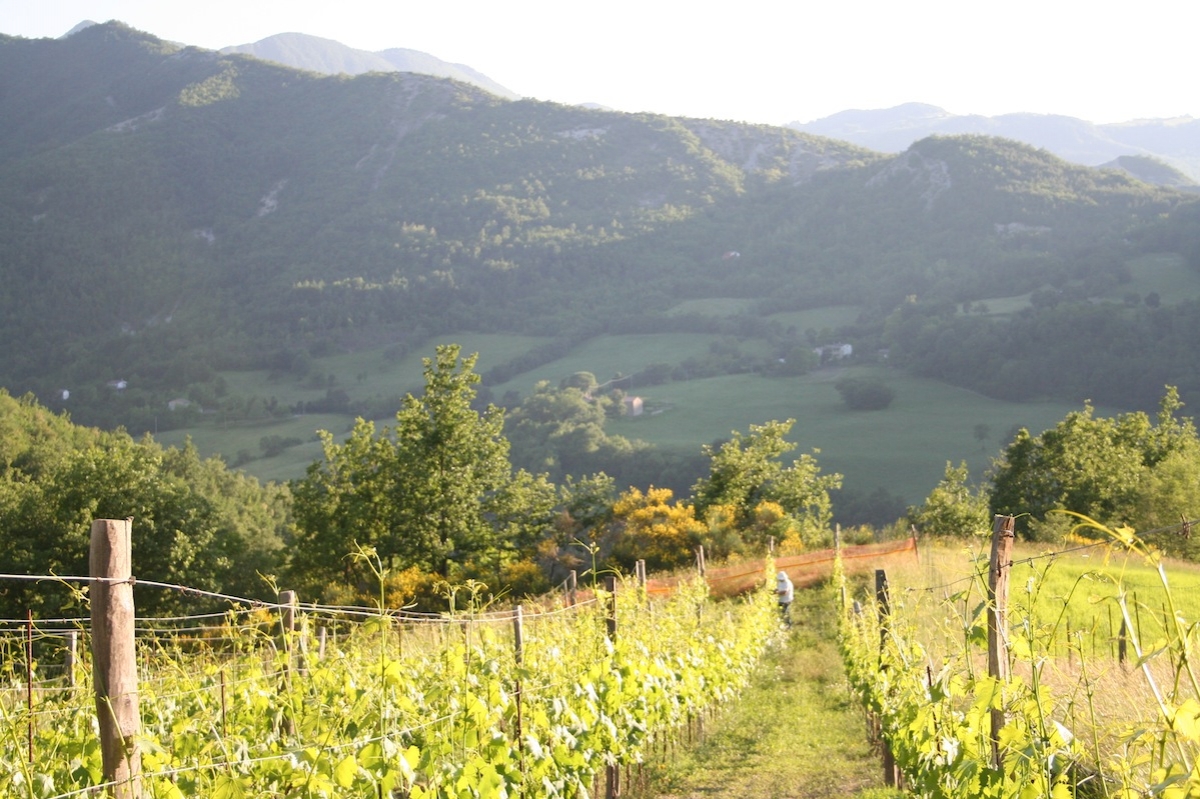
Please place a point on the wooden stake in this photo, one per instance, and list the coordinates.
(519, 655)
(610, 622)
(114, 656)
(29, 675)
(999, 566)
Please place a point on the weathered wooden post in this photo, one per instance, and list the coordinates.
(294, 643)
(883, 603)
(519, 657)
(1122, 644)
(612, 772)
(572, 587)
(999, 566)
(700, 560)
(837, 556)
(71, 656)
(29, 676)
(114, 657)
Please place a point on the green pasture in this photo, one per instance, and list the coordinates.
(713, 306)
(903, 449)
(1167, 274)
(371, 373)
(831, 318)
(1067, 588)
(607, 356)
(1003, 306)
(228, 439)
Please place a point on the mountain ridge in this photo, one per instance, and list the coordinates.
(1173, 141)
(205, 212)
(327, 56)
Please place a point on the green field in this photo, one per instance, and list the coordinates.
(1168, 275)
(371, 373)
(831, 318)
(714, 306)
(903, 449)
(608, 356)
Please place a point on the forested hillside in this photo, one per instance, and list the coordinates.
(167, 213)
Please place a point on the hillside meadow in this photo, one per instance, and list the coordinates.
(903, 449)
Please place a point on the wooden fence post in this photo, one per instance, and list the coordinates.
(1122, 646)
(71, 656)
(837, 556)
(884, 604)
(114, 657)
(519, 656)
(294, 643)
(700, 560)
(613, 772)
(572, 587)
(29, 676)
(999, 566)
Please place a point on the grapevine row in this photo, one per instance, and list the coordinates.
(418, 711)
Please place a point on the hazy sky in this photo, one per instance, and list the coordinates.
(772, 61)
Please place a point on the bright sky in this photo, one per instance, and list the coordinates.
(770, 61)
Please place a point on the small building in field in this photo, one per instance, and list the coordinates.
(834, 352)
(633, 406)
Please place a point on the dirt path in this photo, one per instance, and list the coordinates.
(795, 733)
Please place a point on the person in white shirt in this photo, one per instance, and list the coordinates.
(784, 593)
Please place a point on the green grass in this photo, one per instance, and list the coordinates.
(903, 449)
(795, 732)
(715, 306)
(832, 317)
(1074, 589)
(1167, 274)
(605, 356)
(370, 373)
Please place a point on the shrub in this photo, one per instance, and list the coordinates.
(865, 393)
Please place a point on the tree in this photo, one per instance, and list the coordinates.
(662, 534)
(195, 523)
(435, 492)
(952, 507)
(746, 470)
(865, 393)
(1098, 467)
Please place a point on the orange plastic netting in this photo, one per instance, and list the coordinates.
(804, 569)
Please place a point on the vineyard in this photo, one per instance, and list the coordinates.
(1079, 680)
(302, 700)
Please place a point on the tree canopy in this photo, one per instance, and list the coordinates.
(1104, 468)
(436, 491)
(746, 471)
(195, 523)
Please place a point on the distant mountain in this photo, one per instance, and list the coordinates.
(1173, 141)
(168, 213)
(329, 57)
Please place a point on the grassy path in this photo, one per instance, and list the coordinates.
(795, 733)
